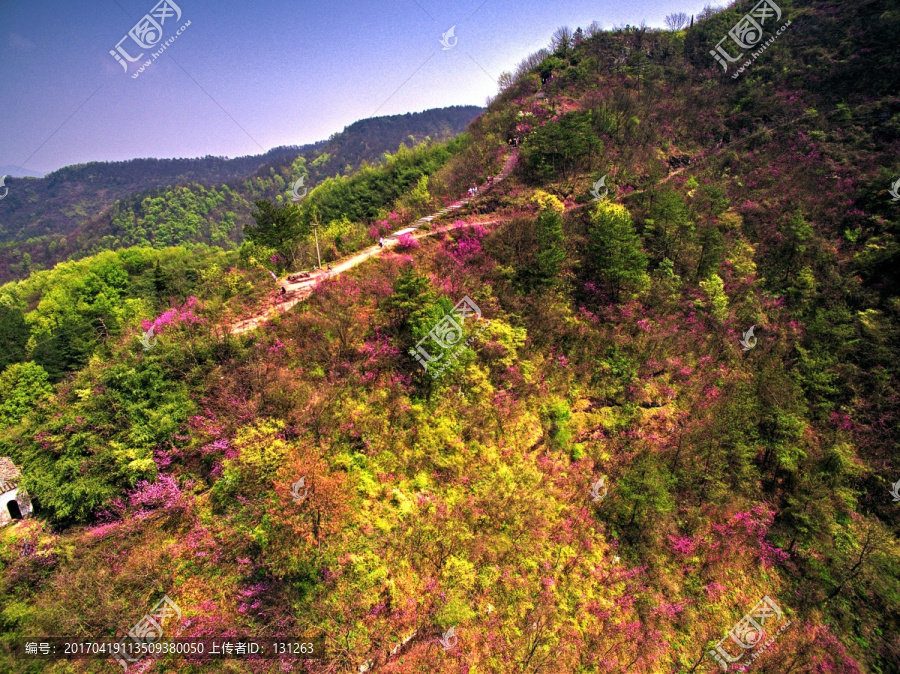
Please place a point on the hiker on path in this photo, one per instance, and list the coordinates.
(381, 242)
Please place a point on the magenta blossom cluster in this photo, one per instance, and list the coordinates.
(164, 493)
(175, 316)
(384, 227)
(406, 242)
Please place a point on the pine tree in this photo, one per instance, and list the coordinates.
(14, 333)
(615, 257)
(412, 298)
(549, 235)
(277, 227)
(714, 288)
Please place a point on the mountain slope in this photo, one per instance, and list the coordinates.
(679, 419)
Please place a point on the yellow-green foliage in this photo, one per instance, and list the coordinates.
(546, 201)
(260, 449)
(742, 258)
(418, 198)
(714, 288)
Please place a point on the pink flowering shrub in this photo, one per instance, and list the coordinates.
(746, 532)
(714, 591)
(406, 242)
(683, 545)
(466, 249)
(183, 315)
(163, 494)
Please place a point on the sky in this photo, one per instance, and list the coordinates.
(244, 77)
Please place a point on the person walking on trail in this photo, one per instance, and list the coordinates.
(381, 242)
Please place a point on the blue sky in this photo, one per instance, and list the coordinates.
(245, 77)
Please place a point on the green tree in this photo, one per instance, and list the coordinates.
(411, 301)
(277, 227)
(69, 347)
(614, 250)
(548, 65)
(797, 233)
(547, 263)
(714, 288)
(669, 229)
(21, 386)
(372, 189)
(14, 334)
(712, 250)
(561, 149)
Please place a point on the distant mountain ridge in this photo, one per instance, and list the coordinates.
(70, 211)
(63, 199)
(19, 172)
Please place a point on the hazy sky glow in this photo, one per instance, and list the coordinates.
(245, 77)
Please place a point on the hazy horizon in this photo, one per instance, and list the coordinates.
(16, 172)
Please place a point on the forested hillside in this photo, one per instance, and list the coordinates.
(676, 403)
(79, 210)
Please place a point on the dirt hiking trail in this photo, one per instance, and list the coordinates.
(300, 290)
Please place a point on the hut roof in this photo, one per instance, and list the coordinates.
(9, 475)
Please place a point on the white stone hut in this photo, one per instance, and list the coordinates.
(14, 501)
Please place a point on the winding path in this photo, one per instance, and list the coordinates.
(300, 290)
